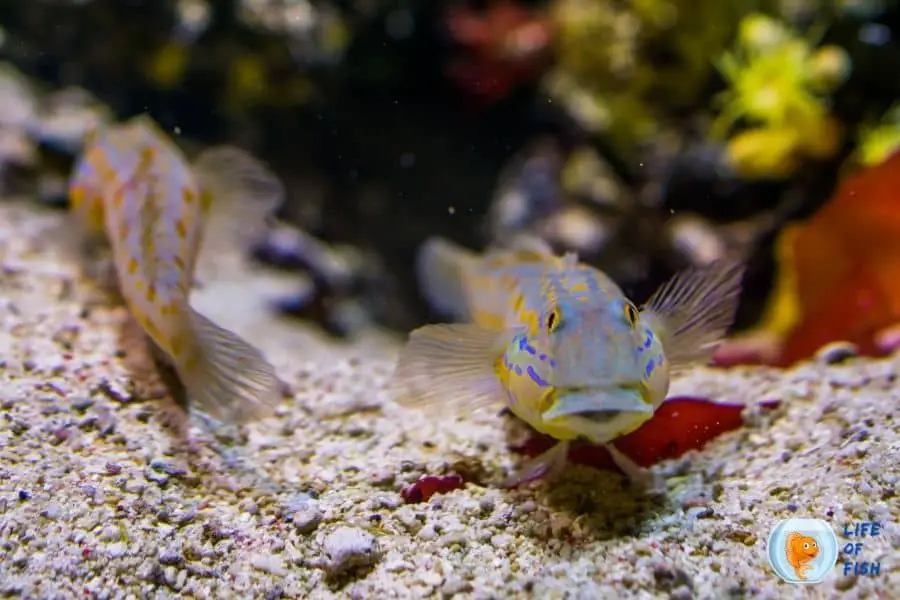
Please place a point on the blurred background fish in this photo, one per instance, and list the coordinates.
(134, 187)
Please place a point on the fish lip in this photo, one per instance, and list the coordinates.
(596, 390)
(588, 388)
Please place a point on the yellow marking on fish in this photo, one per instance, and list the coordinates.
(578, 288)
(132, 266)
(205, 200)
(76, 196)
(179, 263)
(181, 228)
(177, 343)
(518, 302)
(95, 213)
(118, 198)
(151, 293)
(529, 318)
(152, 329)
(188, 196)
(124, 230)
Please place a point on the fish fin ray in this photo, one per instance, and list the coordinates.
(530, 244)
(235, 177)
(693, 311)
(451, 365)
(230, 379)
(443, 269)
(546, 465)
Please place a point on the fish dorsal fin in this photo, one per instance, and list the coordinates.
(693, 311)
(570, 260)
(530, 243)
(451, 368)
(234, 177)
(444, 270)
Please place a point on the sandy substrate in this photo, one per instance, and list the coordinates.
(98, 498)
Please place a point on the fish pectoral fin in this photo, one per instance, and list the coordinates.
(614, 400)
(547, 465)
(643, 479)
(235, 177)
(693, 311)
(226, 377)
(444, 366)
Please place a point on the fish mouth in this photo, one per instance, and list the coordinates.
(598, 401)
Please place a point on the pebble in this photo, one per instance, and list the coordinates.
(156, 477)
(836, 353)
(306, 520)
(171, 557)
(117, 549)
(455, 585)
(52, 512)
(110, 533)
(348, 548)
(268, 563)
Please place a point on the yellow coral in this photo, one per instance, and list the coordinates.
(878, 142)
(777, 86)
(167, 66)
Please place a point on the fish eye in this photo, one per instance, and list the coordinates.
(631, 313)
(806, 546)
(552, 320)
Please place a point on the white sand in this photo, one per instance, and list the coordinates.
(99, 499)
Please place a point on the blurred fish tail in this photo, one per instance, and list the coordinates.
(443, 270)
(225, 376)
(692, 312)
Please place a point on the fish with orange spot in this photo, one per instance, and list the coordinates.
(800, 550)
(134, 189)
(558, 343)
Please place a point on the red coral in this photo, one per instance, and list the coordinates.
(681, 424)
(844, 264)
(429, 485)
(505, 45)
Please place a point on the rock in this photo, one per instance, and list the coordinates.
(348, 548)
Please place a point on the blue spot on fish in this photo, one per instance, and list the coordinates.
(648, 370)
(537, 378)
(553, 362)
(542, 357)
(649, 340)
(531, 350)
(518, 369)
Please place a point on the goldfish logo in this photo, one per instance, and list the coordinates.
(802, 550)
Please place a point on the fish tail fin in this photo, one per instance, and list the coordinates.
(693, 311)
(450, 365)
(442, 269)
(225, 376)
